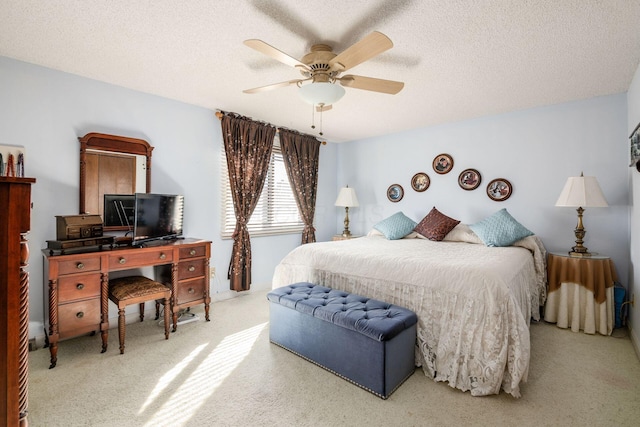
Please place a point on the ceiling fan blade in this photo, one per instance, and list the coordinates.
(372, 45)
(273, 86)
(369, 83)
(276, 54)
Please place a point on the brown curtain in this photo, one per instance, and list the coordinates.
(300, 154)
(248, 145)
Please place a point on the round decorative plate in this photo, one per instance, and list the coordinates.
(499, 189)
(395, 192)
(420, 182)
(469, 179)
(442, 163)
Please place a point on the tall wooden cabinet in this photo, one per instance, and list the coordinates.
(15, 214)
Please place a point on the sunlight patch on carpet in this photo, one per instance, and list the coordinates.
(204, 380)
(167, 378)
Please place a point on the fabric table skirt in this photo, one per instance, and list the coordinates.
(574, 306)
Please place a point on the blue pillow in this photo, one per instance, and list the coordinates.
(396, 226)
(500, 229)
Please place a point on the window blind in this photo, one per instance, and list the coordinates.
(276, 212)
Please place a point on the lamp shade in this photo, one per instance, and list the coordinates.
(582, 191)
(321, 93)
(347, 198)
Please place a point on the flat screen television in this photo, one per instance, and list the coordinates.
(157, 216)
(119, 210)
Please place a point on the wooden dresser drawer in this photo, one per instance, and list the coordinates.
(79, 265)
(78, 315)
(191, 290)
(191, 268)
(140, 259)
(193, 252)
(79, 286)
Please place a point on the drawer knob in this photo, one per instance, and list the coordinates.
(79, 266)
(192, 291)
(192, 268)
(163, 256)
(80, 315)
(122, 260)
(192, 252)
(80, 286)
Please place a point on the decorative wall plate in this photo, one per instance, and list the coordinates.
(442, 163)
(634, 140)
(499, 189)
(395, 192)
(469, 179)
(420, 182)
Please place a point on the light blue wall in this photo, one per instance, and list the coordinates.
(633, 103)
(46, 111)
(535, 149)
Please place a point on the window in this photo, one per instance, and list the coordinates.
(276, 212)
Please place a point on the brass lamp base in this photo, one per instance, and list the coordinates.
(579, 251)
(346, 232)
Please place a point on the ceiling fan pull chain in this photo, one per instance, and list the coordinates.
(321, 109)
(313, 117)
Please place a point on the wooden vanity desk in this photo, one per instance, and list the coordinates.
(78, 284)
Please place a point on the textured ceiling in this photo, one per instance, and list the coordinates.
(459, 59)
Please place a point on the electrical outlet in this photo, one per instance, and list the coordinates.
(212, 272)
(633, 300)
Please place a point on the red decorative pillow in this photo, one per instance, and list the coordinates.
(435, 225)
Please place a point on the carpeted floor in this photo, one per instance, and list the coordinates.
(226, 373)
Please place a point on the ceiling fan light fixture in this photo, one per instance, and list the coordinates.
(321, 93)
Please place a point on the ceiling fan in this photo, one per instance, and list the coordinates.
(322, 68)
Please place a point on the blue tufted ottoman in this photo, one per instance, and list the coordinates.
(367, 342)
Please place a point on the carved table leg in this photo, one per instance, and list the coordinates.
(167, 307)
(53, 351)
(174, 295)
(207, 298)
(104, 310)
(53, 322)
(121, 330)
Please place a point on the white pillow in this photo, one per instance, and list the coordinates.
(412, 235)
(462, 233)
(374, 232)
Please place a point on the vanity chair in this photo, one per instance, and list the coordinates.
(129, 290)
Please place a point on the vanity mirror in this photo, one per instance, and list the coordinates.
(111, 164)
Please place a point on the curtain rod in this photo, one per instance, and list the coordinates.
(220, 115)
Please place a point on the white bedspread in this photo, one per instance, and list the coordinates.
(473, 302)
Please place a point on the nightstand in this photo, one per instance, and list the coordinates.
(581, 292)
(341, 237)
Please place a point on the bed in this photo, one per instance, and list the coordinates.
(474, 303)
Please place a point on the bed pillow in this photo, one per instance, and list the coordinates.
(412, 235)
(436, 225)
(500, 229)
(396, 226)
(374, 232)
(462, 233)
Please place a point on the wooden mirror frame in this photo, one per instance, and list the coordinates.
(115, 144)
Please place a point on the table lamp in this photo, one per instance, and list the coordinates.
(581, 192)
(347, 198)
